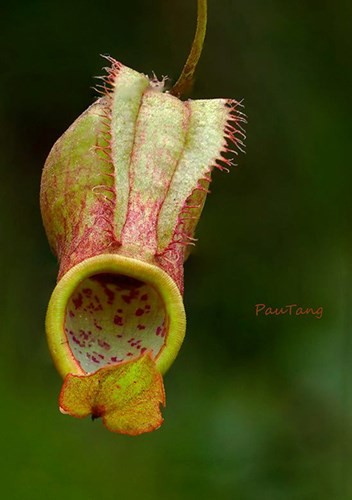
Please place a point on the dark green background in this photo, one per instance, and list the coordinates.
(258, 408)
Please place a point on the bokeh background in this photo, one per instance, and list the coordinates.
(258, 408)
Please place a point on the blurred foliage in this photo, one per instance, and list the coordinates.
(258, 408)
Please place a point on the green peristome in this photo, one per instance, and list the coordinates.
(122, 192)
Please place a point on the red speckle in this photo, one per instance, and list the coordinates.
(87, 292)
(130, 354)
(115, 359)
(76, 341)
(95, 360)
(119, 310)
(141, 327)
(119, 336)
(104, 345)
(109, 294)
(78, 301)
(147, 307)
(97, 325)
(126, 298)
(83, 334)
(139, 312)
(143, 350)
(134, 294)
(118, 320)
(144, 297)
(72, 314)
(158, 330)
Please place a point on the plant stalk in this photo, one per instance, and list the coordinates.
(185, 81)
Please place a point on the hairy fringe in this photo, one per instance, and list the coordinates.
(103, 147)
(234, 135)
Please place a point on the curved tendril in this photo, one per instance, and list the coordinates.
(185, 81)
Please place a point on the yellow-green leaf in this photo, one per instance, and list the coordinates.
(127, 396)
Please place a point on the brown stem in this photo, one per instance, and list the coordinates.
(185, 81)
